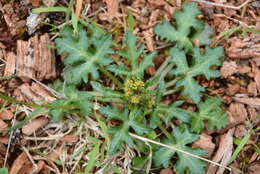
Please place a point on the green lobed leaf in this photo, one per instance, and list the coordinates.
(128, 120)
(132, 53)
(85, 54)
(201, 64)
(211, 112)
(186, 20)
(79, 100)
(185, 164)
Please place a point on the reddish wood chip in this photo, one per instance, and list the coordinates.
(4, 140)
(166, 171)
(6, 115)
(34, 125)
(237, 112)
(228, 69)
(243, 48)
(205, 142)
(223, 154)
(3, 125)
(112, 7)
(252, 89)
(19, 162)
(10, 64)
(35, 59)
(251, 101)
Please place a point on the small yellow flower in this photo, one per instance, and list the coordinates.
(151, 103)
(135, 99)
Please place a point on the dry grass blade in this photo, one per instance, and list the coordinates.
(178, 150)
(78, 8)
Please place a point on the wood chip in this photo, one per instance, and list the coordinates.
(34, 93)
(228, 68)
(112, 7)
(252, 89)
(19, 162)
(70, 139)
(166, 171)
(251, 101)
(244, 48)
(256, 73)
(35, 59)
(6, 114)
(4, 140)
(3, 125)
(149, 40)
(223, 153)
(237, 112)
(205, 142)
(10, 64)
(240, 131)
(34, 125)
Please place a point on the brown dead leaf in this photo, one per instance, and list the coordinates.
(237, 112)
(34, 125)
(70, 139)
(228, 68)
(223, 153)
(19, 162)
(251, 101)
(6, 114)
(166, 171)
(3, 125)
(205, 142)
(112, 7)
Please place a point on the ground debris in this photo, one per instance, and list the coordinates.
(205, 142)
(33, 93)
(34, 125)
(34, 59)
(251, 101)
(244, 48)
(223, 153)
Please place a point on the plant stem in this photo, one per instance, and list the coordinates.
(170, 92)
(8, 77)
(166, 133)
(162, 67)
(112, 77)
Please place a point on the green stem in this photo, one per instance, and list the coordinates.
(170, 92)
(112, 77)
(162, 67)
(15, 101)
(8, 77)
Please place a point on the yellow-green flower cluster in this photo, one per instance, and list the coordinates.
(136, 93)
